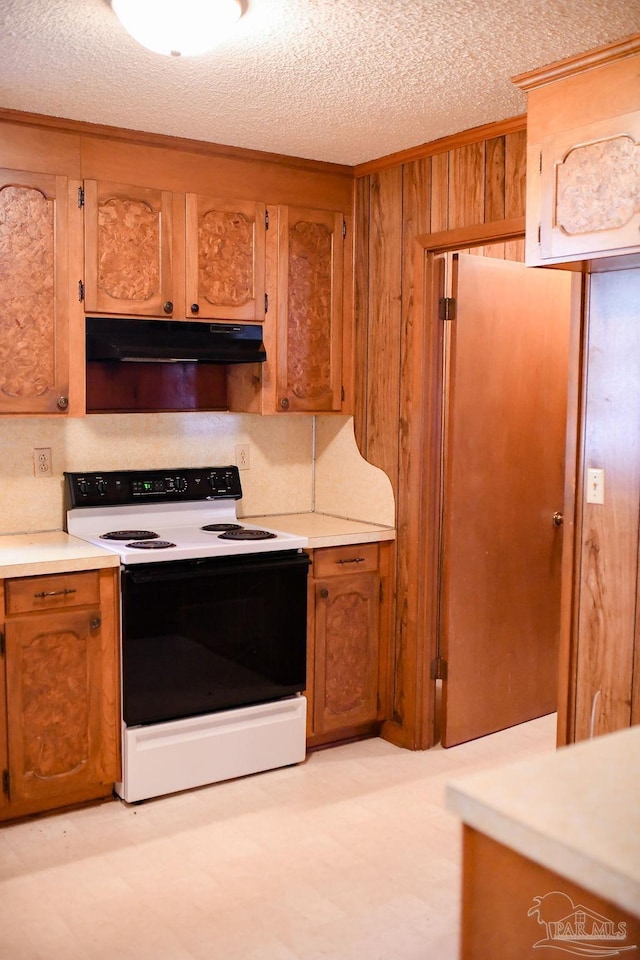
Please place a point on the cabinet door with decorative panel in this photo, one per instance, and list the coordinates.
(61, 690)
(591, 190)
(128, 255)
(34, 320)
(309, 374)
(346, 682)
(225, 259)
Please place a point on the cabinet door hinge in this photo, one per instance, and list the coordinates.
(5, 782)
(266, 303)
(540, 163)
(447, 308)
(539, 233)
(81, 196)
(2, 644)
(266, 219)
(380, 594)
(80, 291)
(344, 229)
(342, 394)
(439, 669)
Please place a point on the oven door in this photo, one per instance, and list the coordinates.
(205, 635)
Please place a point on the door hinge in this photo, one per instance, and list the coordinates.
(266, 219)
(344, 229)
(81, 196)
(80, 291)
(2, 644)
(342, 394)
(447, 308)
(5, 782)
(439, 669)
(266, 303)
(380, 594)
(539, 233)
(540, 163)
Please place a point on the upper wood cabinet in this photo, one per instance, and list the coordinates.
(34, 292)
(310, 310)
(128, 250)
(309, 325)
(583, 156)
(225, 259)
(139, 263)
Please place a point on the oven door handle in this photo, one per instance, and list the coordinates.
(162, 572)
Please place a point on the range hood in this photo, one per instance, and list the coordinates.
(173, 341)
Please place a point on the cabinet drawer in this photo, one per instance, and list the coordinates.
(30, 594)
(337, 561)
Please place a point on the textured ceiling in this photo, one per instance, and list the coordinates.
(329, 80)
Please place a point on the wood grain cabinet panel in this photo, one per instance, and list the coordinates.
(347, 639)
(62, 707)
(128, 258)
(310, 305)
(591, 190)
(583, 156)
(34, 350)
(348, 626)
(225, 259)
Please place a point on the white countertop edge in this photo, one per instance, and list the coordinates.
(598, 878)
(351, 532)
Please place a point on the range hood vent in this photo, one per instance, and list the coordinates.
(173, 341)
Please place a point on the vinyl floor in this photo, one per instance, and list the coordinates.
(349, 856)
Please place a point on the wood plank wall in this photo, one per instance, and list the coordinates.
(455, 183)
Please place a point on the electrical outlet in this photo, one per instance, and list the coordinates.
(242, 456)
(42, 461)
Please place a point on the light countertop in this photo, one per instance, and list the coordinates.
(33, 554)
(575, 812)
(324, 530)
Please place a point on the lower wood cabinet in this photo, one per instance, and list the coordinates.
(348, 670)
(61, 742)
(513, 908)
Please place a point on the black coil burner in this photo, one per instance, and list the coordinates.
(129, 535)
(243, 534)
(151, 544)
(215, 527)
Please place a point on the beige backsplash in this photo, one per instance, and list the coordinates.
(280, 479)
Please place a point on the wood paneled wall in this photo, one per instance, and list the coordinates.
(454, 184)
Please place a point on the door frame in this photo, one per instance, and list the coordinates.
(419, 523)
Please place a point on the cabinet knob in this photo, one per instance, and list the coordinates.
(95, 623)
(167, 306)
(63, 403)
(195, 308)
(558, 519)
(284, 403)
(324, 593)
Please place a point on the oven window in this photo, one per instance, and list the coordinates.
(201, 636)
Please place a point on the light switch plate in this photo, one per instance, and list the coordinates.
(595, 485)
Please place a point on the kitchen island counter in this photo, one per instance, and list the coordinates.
(575, 812)
(325, 530)
(52, 551)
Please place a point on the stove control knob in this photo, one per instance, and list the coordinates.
(101, 487)
(83, 487)
(180, 484)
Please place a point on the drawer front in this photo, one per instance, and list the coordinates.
(61, 590)
(338, 561)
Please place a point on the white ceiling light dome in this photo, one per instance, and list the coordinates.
(178, 28)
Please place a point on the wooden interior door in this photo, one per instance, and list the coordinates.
(503, 479)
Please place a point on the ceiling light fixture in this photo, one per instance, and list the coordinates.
(178, 28)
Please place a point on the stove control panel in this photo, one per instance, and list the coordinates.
(113, 487)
